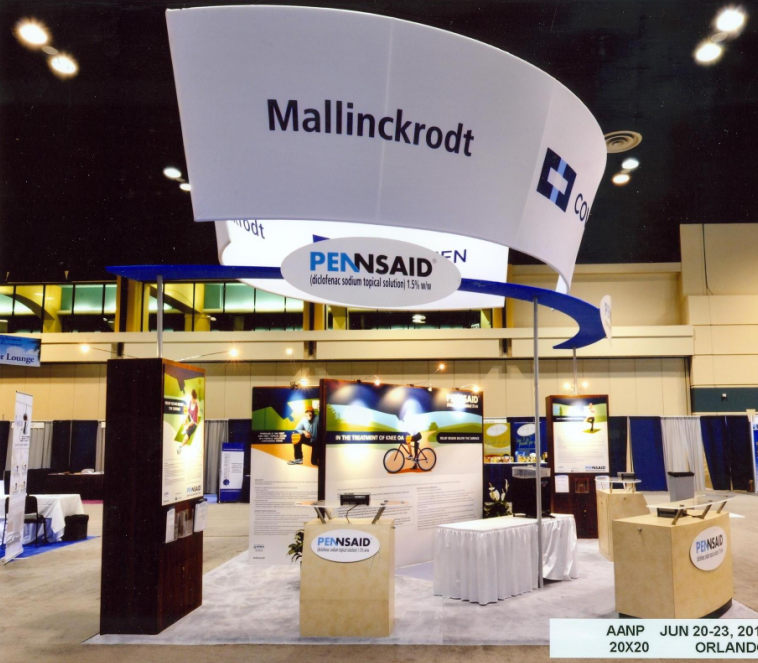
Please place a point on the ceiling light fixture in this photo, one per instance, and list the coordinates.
(32, 33)
(377, 382)
(630, 164)
(304, 382)
(441, 367)
(172, 173)
(620, 179)
(84, 348)
(185, 186)
(234, 353)
(730, 19)
(622, 141)
(288, 351)
(63, 66)
(708, 52)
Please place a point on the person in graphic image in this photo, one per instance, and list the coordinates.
(412, 438)
(306, 432)
(26, 425)
(193, 417)
(590, 419)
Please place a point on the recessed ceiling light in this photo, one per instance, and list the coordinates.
(730, 19)
(630, 164)
(708, 52)
(185, 186)
(172, 173)
(63, 65)
(32, 33)
(622, 141)
(620, 179)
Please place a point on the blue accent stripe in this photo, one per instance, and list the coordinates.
(585, 314)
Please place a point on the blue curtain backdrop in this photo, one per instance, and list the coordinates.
(83, 445)
(741, 456)
(717, 451)
(617, 443)
(647, 452)
(728, 451)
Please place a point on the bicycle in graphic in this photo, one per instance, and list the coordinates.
(395, 459)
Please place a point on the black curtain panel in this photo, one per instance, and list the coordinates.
(241, 430)
(5, 428)
(83, 445)
(617, 440)
(60, 454)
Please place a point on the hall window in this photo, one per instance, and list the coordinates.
(227, 306)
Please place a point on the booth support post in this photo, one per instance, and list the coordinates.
(537, 441)
(576, 381)
(159, 283)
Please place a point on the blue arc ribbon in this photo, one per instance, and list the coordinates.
(583, 313)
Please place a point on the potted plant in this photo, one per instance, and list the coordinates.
(295, 550)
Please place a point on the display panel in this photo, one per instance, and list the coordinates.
(580, 434)
(419, 445)
(284, 459)
(183, 432)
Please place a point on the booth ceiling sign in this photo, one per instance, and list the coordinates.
(299, 113)
(345, 545)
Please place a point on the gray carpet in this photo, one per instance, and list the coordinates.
(259, 605)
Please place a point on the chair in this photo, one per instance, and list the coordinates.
(31, 517)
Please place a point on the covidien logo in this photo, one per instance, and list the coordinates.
(556, 180)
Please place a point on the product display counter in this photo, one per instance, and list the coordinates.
(662, 565)
(343, 591)
(615, 505)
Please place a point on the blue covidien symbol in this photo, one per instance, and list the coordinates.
(556, 180)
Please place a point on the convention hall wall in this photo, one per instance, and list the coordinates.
(652, 386)
(685, 339)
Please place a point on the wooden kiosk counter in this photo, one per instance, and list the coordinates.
(673, 567)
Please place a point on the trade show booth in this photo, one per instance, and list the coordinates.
(332, 176)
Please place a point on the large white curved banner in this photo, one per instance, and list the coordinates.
(266, 243)
(304, 113)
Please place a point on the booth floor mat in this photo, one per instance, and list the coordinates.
(31, 551)
(245, 604)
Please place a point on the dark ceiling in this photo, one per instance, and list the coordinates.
(81, 160)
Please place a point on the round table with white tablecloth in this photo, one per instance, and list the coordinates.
(54, 508)
(484, 561)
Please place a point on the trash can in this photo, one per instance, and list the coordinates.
(524, 490)
(76, 527)
(681, 486)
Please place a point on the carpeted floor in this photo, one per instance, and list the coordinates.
(30, 550)
(259, 605)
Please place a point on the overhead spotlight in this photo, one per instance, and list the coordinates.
(630, 164)
(566, 386)
(730, 19)
(418, 319)
(585, 384)
(84, 348)
(234, 353)
(172, 173)
(475, 388)
(620, 179)
(708, 52)
(441, 367)
(288, 351)
(185, 186)
(429, 388)
(31, 33)
(377, 382)
(304, 382)
(63, 66)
